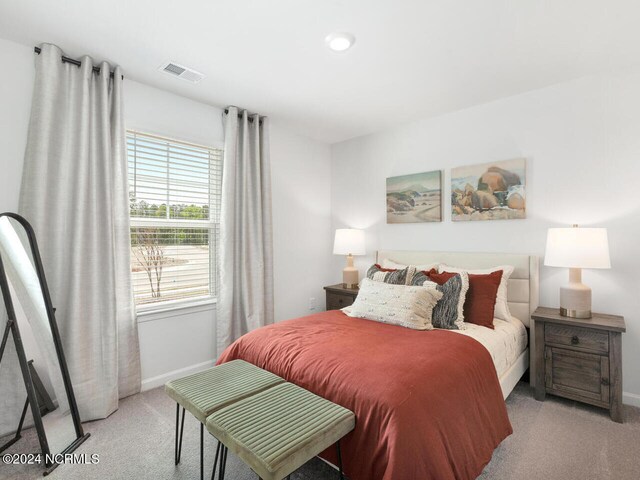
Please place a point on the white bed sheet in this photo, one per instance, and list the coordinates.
(505, 343)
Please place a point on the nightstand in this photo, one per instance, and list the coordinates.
(580, 359)
(338, 296)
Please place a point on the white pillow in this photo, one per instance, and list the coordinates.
(386, 263)
(502, 308)
(406, 306)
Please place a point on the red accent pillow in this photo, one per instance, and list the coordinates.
(480, 304)
(439, 278)
(377, 265)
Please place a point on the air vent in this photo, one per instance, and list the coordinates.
(180, 71)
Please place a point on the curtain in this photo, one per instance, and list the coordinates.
(245, 294)
(75, 194)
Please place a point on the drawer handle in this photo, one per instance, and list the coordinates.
(604, 382)
(340, 300)
(575, 340)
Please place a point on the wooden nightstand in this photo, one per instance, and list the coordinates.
(339, 297)
(580, 359)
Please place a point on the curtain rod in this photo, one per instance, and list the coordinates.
(72, 61)
(226, 112)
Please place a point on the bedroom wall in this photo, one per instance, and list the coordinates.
(581, 140)
(178, 342)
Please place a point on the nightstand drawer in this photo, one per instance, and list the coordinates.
(576, 337)
(577, 375)
(336, 301)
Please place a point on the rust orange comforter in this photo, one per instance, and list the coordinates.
(428, 404)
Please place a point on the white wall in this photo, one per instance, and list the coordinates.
(175, 343)
(581, 140)
(301, 223)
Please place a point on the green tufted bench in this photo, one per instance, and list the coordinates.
(204, 393)
(278, 430)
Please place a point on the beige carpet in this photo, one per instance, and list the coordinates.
(555, 439)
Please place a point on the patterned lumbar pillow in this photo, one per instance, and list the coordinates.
(405, 306)
(390, 275)
(449, 312)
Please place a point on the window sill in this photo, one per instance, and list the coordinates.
(149, 314)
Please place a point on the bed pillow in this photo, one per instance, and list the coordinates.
(386, 263)
(402, 305)
(502, 307)
(390, 275)
(449, 311)
(479, 307)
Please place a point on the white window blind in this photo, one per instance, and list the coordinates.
(174, 206)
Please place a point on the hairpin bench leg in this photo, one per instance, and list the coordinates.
(339, 460)
(201, 451)
(178, 450)
(223, 462)
(215, 462)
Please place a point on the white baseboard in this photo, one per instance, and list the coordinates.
(631, 399)
(158, 381)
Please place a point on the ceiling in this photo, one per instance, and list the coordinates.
(412, 58)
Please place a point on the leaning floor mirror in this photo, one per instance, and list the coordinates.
(31, 339)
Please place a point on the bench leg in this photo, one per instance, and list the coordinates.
(178, 450)
(215, 462)
(339, 460)
(223, 462)
(201, 451)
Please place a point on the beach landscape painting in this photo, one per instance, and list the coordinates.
(415, 198)
(489, 191)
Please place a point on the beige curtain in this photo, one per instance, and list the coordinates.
(245, 296)
(75, 194)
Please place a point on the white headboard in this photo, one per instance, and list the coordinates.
(523, 287)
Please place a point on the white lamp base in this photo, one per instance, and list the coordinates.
(350, 274)
(575, 297)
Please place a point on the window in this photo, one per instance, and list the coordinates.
(174, 201)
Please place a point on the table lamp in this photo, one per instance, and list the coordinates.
(577, 248)
(349, 242)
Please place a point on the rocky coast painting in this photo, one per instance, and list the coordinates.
(415, 198)
(490, 191)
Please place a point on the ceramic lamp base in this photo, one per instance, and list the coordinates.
(350, 274)
(575, 297)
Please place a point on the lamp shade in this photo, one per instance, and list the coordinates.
(349, 241)
(577, 248)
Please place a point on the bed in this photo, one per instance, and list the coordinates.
(523, 294)
(428, 404)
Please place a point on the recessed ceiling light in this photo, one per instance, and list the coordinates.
(340, 42)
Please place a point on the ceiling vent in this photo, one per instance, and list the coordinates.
(180, 71)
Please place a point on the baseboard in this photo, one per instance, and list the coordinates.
(631, 399)
(158, 381)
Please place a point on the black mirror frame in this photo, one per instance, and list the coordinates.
(12, 326)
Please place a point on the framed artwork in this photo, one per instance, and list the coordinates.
(489, 191)
(415, 198)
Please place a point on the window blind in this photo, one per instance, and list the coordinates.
(174, 199)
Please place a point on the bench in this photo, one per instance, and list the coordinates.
(273, 426)
(203, 393)
(278, 430)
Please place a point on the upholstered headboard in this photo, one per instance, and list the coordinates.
(522, 293)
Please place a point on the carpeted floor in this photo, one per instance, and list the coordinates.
(555, 439)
